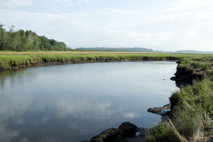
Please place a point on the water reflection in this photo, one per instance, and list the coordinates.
(74, 102)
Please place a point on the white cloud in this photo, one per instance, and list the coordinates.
(49, 4)
(131, 115)
(15, 3)
(189, 4)
(183, 25)
(61, 3)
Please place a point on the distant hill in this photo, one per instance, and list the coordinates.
(27, 40)
(122, 49)
(194, 51)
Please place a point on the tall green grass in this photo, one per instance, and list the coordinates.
(191, 115)
(8, 61)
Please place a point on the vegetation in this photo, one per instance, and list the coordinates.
(191, 117)
(14, 60)
(27, 40)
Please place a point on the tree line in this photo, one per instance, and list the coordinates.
(27, 40)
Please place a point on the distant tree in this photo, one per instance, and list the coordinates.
(2, 31)
(26, 40)
(12, 28)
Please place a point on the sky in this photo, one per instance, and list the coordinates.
(167, 25)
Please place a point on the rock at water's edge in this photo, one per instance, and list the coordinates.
(119, 134)
(129, 129)
(160, 110)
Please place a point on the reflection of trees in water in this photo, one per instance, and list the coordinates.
(11, 77)
(14, 78)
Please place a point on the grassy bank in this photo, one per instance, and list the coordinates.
(191, 118)
(14, 60)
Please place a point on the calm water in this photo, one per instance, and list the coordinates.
(70, 103)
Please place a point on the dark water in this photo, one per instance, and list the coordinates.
(70, 103)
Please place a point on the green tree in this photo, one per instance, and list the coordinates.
(27, 40)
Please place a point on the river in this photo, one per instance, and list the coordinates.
(71, 103)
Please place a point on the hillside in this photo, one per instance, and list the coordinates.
(194, 52)
(122, 49)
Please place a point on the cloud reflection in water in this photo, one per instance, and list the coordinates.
(75, 102)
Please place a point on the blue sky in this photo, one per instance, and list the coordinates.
(160, 25)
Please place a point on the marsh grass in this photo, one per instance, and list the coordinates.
(9, 60)
(191, 115)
